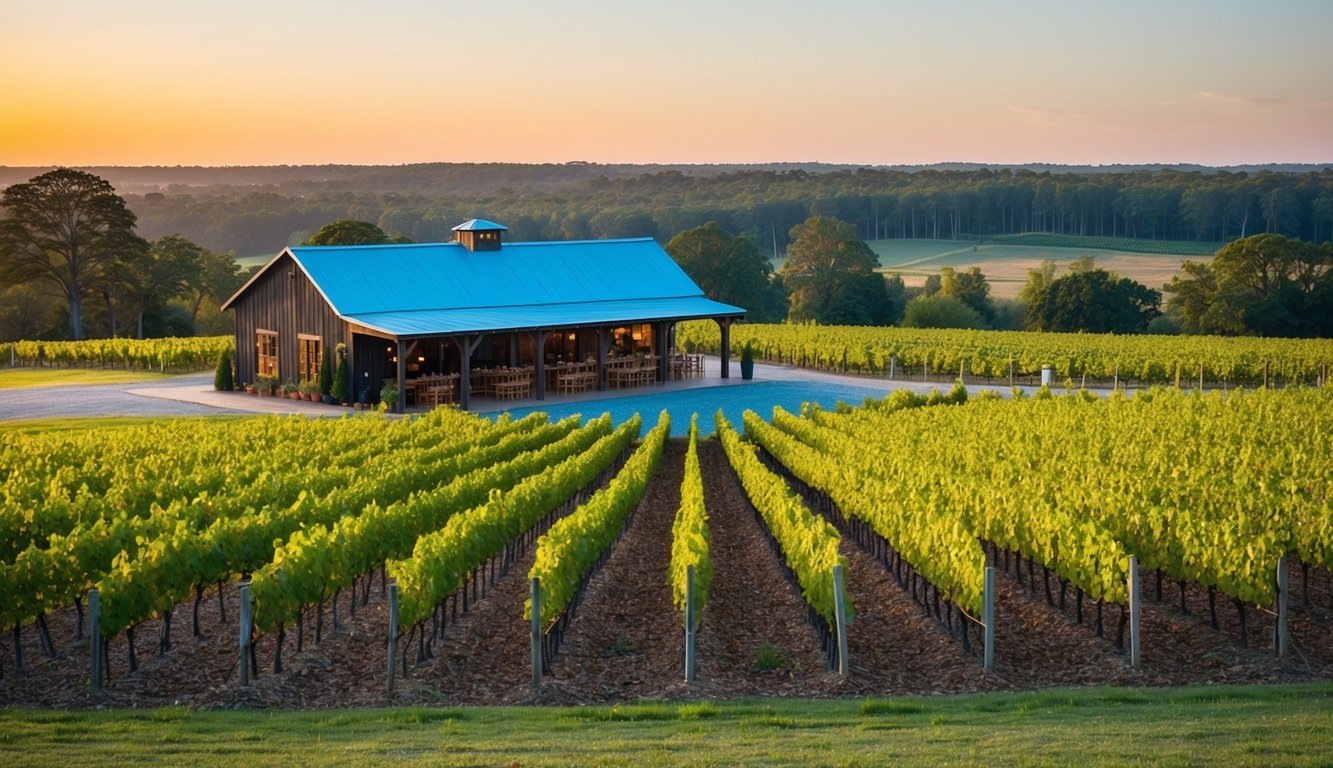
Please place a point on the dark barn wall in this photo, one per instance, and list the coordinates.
(284, 300)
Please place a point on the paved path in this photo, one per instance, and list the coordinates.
(193, 395)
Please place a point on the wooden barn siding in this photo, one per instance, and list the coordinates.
(289, 305)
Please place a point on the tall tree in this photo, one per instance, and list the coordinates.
(64, 227)
(731, 270)
(969, 287)
(173, 264)
(350, 232)
(1265, 284)
(831, 275)
(1094, 301)
(219, 277)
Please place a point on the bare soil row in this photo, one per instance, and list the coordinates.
(626, 642)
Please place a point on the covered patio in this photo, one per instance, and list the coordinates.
(505, 365)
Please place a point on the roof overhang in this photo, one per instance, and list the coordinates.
(449, 322)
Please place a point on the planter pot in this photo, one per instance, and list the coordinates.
(293, 395)
(251, 391)
(747, 369)
(328, 400)
(265, 393)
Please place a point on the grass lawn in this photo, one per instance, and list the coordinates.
(13, 378)
(1006, 266)
(76, 424)
(1258, 725)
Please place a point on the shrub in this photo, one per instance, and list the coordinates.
(224, 378)
(940, 312)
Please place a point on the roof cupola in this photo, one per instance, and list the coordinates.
(479, 235)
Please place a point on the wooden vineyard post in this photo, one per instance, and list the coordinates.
(961, 363)
(536, 632)
(245, 633)
(689, 623)
(95, 635)
(893, 363)
(988, 618)
(1115, 384)
(1011, 373)
(1046, 375)
(1134, 608)
(840, 613)
(393, 631)
(1282, 642)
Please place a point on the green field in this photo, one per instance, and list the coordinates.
(1259, 725)
(13, 378)
(1006, 266)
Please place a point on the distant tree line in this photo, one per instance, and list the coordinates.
(67, 235)
(1266, 285)
(555, 203)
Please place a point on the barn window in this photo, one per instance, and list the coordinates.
(267, 342)
(311, 351)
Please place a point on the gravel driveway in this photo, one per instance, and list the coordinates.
(107, 400)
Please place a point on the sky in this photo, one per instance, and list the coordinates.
(878, 82)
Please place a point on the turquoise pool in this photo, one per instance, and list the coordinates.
(759, 396)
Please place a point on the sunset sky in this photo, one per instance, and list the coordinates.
(725, 81)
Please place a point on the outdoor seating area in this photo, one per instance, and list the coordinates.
(687, 366)
(625, 372)
(571, 378)
(503, 383)
(433, 391)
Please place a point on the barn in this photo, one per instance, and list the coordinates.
(476, 317)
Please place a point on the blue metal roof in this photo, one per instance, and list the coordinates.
(445, 321)
(479, 225)
(436, 288)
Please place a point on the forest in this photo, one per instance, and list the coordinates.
(170, 246)
(257, 211)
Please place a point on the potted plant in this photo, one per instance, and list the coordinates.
(324, 386)
(265, 385)
(309, 390)
(250, 389)
(747, 362)
(291, 391)
(340, 390)
(389, 394)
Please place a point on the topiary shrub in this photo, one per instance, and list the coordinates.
(224, 379)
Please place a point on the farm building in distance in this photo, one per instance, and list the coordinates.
(475, 317)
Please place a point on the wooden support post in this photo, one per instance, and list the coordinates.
(536, 633)
(393, 631)
(466, 346)
(539, 363)
(1282, 641)
(603, 343)
(95, 635)
(725, 351)
(402, 378)
(840, 613)
(988, 619)
(893, 363)
(245, 633)
(1135, 610)
(663, 352)
(689, 623)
